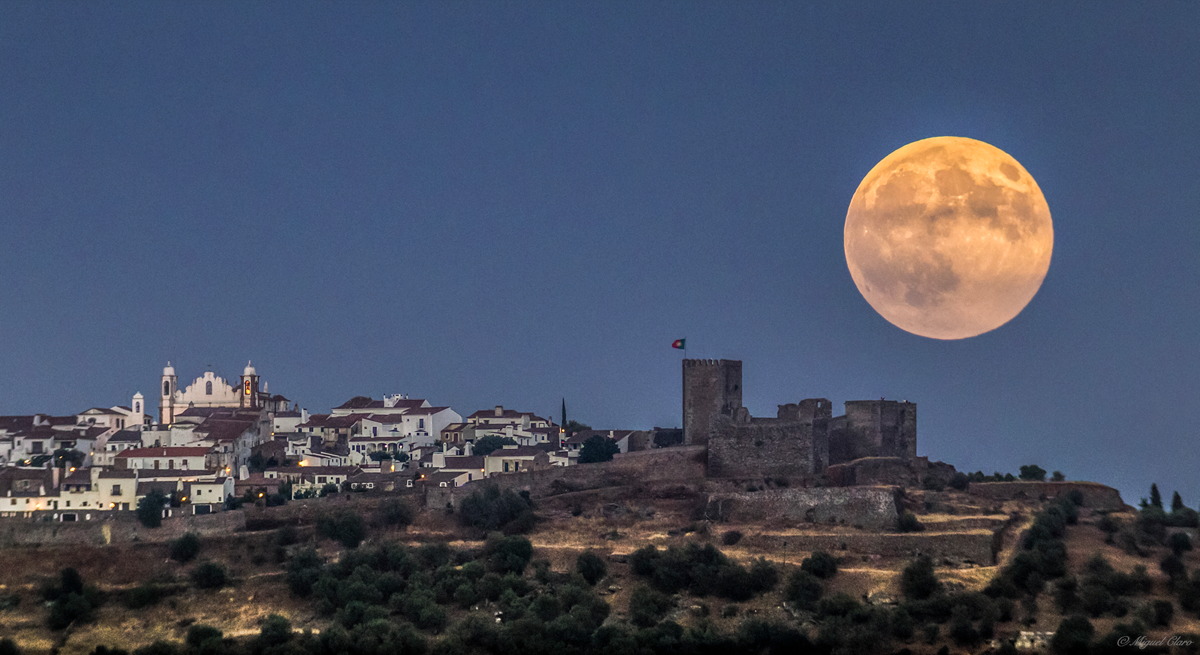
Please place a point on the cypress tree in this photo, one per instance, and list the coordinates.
(1155, 497)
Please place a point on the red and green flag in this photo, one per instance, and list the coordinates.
(679, 344)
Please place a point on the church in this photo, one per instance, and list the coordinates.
(210, 390)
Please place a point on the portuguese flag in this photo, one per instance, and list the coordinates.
(679, 344)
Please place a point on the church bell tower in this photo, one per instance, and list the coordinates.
(166, 403)
(248, 395)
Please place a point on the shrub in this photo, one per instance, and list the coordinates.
(1179, 543)
(209, 575)
(731, 537)
(275, 630)
(507, 554)
(1074, 635)
(647, 606)
(145, 595)
(591, 566)
(344, 527)
(492, 509)
(9, 647)
(199, 633)
(959, 481)
(918, 580)
(763, 576)
(395, 511)
(185, 548)
(909, 523)
(821, 564)
(803, 590)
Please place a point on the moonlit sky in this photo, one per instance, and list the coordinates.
(510, 203)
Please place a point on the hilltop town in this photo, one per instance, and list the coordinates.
(412, 513)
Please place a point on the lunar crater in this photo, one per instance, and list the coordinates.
(948, 237)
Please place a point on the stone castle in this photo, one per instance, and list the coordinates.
(803, 440)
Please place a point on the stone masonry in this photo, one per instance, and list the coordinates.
(802, 440)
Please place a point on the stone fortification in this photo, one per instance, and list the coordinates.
(1095, 495)
(801, 441)
(711, 389)
(970, 547)
(904, 472)
(683, 463)
(872, 508)
(116, 528)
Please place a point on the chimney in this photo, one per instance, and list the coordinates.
(499, 410)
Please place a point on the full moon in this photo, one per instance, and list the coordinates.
(948, 237)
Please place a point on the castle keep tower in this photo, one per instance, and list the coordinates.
(711, 388)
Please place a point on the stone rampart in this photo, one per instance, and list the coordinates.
(684, 463)
(975, 546)
(115, 527)
(874, 508)
(1095, 496)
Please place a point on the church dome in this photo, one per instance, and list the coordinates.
(249, 370)
(168, 369)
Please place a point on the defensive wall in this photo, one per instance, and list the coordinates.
(971, 546)
(115, 527)
(683, 463)
(872, 508)
(1095, 495)
(900, 471)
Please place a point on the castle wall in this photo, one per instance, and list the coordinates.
(874, 428)
(711, 389)
(115, 527)
(974, 546)
(684, 463)
(1095, 495)
(762, 448)
(873, 508)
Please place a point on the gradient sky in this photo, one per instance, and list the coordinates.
(514, 202)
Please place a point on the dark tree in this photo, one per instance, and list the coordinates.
(821, 564)
(150, 507)
(209, 575)
(395, 511)
(185, 548)
(1155, 497)
(1074, 636)
(490, 443)
(803, 589)
(1176, 502)
(598, 448)
(918, 580)
(647, 606)
(345, 527)
(1058, 476)
(1033, 472)
(591, 566)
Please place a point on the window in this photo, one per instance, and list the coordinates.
(208, 388)
(166, 387)
(137, 408)
(420, 424)
(116, 491)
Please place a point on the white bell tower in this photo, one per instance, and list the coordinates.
(166, 404)
(138, 418)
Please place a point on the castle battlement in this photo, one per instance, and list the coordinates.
(803, 439)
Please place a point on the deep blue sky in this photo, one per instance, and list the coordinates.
(486, 202)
